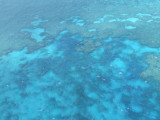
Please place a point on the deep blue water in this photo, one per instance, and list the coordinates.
(79, 60)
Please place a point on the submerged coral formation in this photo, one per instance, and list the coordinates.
(88, 45)
(58, 82)
(99, 18)
(87, 60)
(153, 69)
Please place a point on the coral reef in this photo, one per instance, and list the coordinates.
(57, 81)
(104, 17)
(88, 46)
(153, 69)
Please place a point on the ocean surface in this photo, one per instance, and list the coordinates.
(79, 60)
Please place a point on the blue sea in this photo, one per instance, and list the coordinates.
(79, 60)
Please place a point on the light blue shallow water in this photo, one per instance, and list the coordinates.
(58, 67)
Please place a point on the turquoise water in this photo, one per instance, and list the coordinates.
(79, 60)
